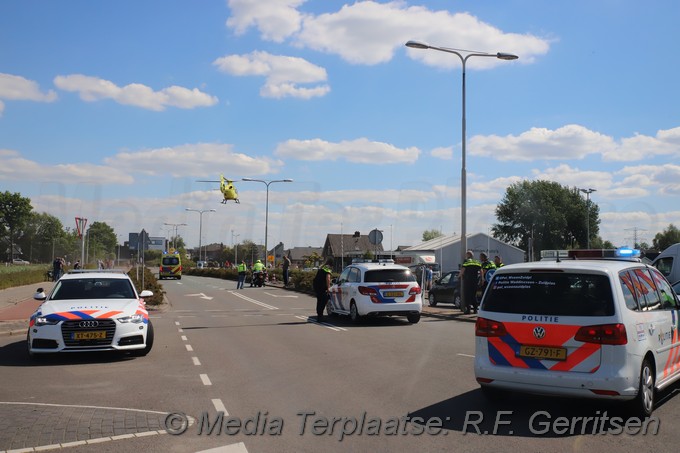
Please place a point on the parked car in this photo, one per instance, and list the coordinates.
(91, 310)
(20, 262)
(600, 327)
(376, 289)
(445, 290)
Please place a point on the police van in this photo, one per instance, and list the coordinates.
(599, 324)
(171, 266)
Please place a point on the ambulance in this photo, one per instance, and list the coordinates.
(171, 266)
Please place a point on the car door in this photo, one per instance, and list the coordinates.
(669, 307)
(339, 292)
(447, 288)
(660, 322)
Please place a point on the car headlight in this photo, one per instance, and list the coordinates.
(136, 318)
(45, 321)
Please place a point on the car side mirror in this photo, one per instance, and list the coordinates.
(40, 294)
(146, 293)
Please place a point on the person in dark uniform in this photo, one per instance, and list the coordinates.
(486, 267)
(322, 286)
(469, 275)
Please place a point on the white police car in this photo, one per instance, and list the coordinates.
(592, 328)
(91, 311)
(376, 289)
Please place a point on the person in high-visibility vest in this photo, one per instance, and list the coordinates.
(258, 267)
(242, 270)
(469, 277)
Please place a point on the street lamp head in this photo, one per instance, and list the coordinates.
(287, 180)
(417, 45)
(588, 191)
(506, 56)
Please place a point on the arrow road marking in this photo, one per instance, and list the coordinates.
(203, 296)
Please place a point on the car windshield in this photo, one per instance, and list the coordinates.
(550, 293)
(90, 288)
(389, 275)
(170, 261)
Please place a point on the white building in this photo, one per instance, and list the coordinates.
(448, 254)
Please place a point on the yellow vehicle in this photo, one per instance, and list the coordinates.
(171, 266)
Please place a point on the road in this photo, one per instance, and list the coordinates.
(287, 383)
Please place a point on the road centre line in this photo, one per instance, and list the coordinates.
(184, 338)
(219, 406)
(196, 361)
(177, 323)
(465, 355)
(257, 302)
(189, 348)
(205, 379)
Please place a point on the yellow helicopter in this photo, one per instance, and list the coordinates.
(227, 188)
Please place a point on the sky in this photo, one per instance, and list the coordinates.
(114, 110)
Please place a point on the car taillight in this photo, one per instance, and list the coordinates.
(603, 334)
(414, 290)
(488, 328)
(366, 291)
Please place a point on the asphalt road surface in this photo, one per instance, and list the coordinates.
(283, 382)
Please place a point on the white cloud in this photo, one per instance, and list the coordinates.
(275, 19)
(664, 177)
(283, 74)
(16, 168)
(368, 32)
(359, 151)
(203, 160)
(94, 89)
(639, 147)
(444, 153)
(568, 142)
(17, 88)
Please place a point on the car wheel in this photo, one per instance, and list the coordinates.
(456, 301)
(643, 404)
(432, 300)
(329, 309)
(413, 318)
(149, 342)
(354, 312)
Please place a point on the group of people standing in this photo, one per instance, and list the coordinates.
(259, 267)
(474, 276)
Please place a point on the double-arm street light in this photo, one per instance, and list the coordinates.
(200, 227)
(588, 192)
(266, 210)
(463, 55)
(175, 225)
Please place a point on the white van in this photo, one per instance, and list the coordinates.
(586, 327)
(668, 263)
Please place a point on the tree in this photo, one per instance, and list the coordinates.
(543, 215)
(101, 240)
(431, 234)
(666, 238)
(14, 212)
(44, 237)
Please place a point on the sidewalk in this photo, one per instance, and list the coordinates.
(17, 305)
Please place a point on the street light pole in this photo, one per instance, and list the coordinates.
(266, 211)
(588, 192)
(200, 227)
(176, 225)
(463, 55)
(235, 246)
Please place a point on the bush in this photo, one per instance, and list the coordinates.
(150, 283)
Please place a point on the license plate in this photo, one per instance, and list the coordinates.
(93, 335)
(543, 352)
(393, 294)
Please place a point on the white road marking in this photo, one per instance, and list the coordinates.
(465, 355)
(184, 338)
(269, 293)
(233, 448)
(205, 379)
(202, 296)
(257, 302)
(219, 406)
(180, 330)
(322, 324)
(196, 361)
(189, 348)
(177, 323)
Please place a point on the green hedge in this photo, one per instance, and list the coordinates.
(11, 276)
(299, 280)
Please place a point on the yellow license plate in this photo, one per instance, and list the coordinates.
(94, 335)
(543, 352)
(393, 294)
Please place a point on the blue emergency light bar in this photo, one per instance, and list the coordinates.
(622, 252)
